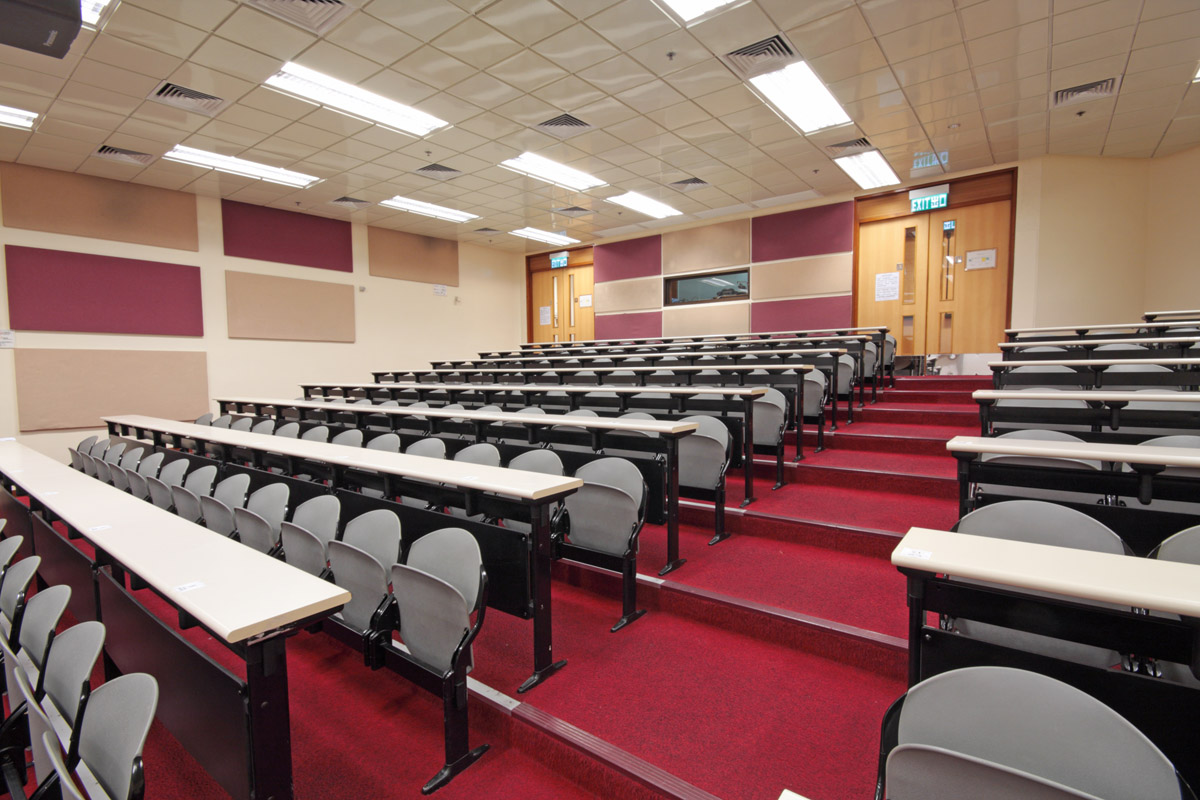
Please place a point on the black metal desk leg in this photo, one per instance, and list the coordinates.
(544, 664)
(270, 723)
(798, 423)
(748, 447)
(916, 623)
(833, 383)
(673, 559)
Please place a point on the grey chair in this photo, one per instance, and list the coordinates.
(541, 460)
(66, 680)
(138, 486)
(1001, 733)
(217, 510)
(86, 445)
(1187, 442)
(119, 477)
(770, 419)
(1182, 547)
(89, 464)
(266, 427)
(204, 419)
(9, 546)
(242, 424)
(385, 442)
(113, 454)
(603, 519)
(113, 732)
(318, 433)
(257, 524)
(13, 591)
(44, 744)
(42, 614)
(76, 459)
(483, 453)
(103, 473)
(1017, 402)
(306, 538)
(288, 430)
(100, 448)
(132, 457)
(350, 438)
(149, 466)
(223, 421)
(703, 460)
(376, 533)
(453, 555)
(360, 573)
(984, 491)
(186, 497)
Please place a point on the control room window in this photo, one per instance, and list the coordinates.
(711, 288)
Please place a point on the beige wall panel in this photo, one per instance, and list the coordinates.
(635, 294)
(723, 245)
(83, 205)
(409, 257)
(1172, 235)
(267, 307)
(60, 389)
(706, 318)
(803, 277)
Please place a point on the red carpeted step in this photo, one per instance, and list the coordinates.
(926, 396)
(853, 439)
(861, 507)
(952, 382)
(919, 414)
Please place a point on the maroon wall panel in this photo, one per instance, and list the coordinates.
(287, 237)
(642, 324)
(632, 258)
(812, 313)
(807, 232)
(53, 290)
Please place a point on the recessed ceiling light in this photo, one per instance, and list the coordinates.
(800, 96)
(953, 126)
(644, 205)
(688, 10)
(239, 166)
(544, 236)
(320, 88)
(90, 11)
(17, 118)
(428, 209)
(536, 166)
(869, 170)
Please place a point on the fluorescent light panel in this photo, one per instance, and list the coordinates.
(536, 166)
(428, 209)
(644, 205)
(17, 117)
(688, 10)
(91, 10)
(799, 94)
(1197, 78)
(544, 236)
(239, 166)
(320, 88)
(869, 170)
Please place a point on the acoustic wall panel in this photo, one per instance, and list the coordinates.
(629, 326)
(410, 257)
(829, 274)
(728, 317)
(267, 307)
(64, 389)
(806, 232)
(48, 200)
(286, 237)
(632, 258)
(53, 290)
(632, 295)
(813, 313)
(725, 244)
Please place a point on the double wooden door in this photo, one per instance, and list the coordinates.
(939, 281)
(562, 305)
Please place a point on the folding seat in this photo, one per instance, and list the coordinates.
(204, 419)
(160, 487)
(983, 492)
(118, 477)
(484, 454)
(148, 467)
(1127, 377)
(350, 438)
(86, 445)
(429, 447)
(770, 419)
(217, 510)
(385, 442)
(132, 458)
(242, 424)
(42, 614)
(603, 518)
(1182, 547)
(1002, 733)
(703, 460)
(9, 546)
(889, 358)
(17, 578)
(223, 421)
(186, 497)
(319, 433)
(541, 460)
(1184, 441)
(257, 525)
(102, 470)
(289, 430)
(1056, 403)
(376, 533)
(76, 459)
(306, 537)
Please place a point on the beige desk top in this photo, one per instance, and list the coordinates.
(234, 591)
(1094, 396)
(802, 351)
(659, 346)
(497, 480)
(1096, 451)
(599, 423)
(1194, 311)
(545, 388)
(1112, 327)
(1166, 586)
(609, 367)
(712, 337)
(1098, 342)
(1096, 362)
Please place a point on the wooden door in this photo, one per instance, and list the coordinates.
(562, 305)
(967, 306)
(892, 265)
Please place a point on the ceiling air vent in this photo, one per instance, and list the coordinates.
(352, 203)
(438, 172)
(122, 155)
(317, 16)
(688, 184)
(572, 211)
(486, 230)
(188, 99)
(849, 148)
(563, 125)
(765, 56)
(1084, 92)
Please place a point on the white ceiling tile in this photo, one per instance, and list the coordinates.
(489, 125)
(449, 108)
(605, 112)
(576, 48)
(457, 139)
(335, 122)
(886, 16)
(399, 87)
(245, 137)
(1009, 43)
(678, 115)
(337, 62)
(869, 84)
(933, 65)
(209, 81)
(527, 110)
(264, 33)
(925, 37)
(307, 134)
(154, 31)
(527, 21)
(476, 43)
(358, 150)
(1174, 75)
(1155, 98)
(830, 33)
(1035, 86)
(71, 130)
(205, 16)
(702, 132)
(569, 93)
(727, 101)
(616, 74)
(23, 100)
(1087, 48)
(1097, 70)
(1092, 19)
(1009, 70)
(1168, 29)
(95, 97)
(739, 26)
(434, 67)
(252, 118)
(527, 71)
(676, 51)
(50, 159)
(650, 96)
(1165, 55)
(423, 19)
(225, 56)
(630, 23)
(369, 37)
(30, 81)
(849, 61)
(987, 18)
(128, 55)
(485, 91)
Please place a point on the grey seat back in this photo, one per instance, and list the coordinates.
(919, 772)
(266, 426)
(100, 448)
(114, 730)
(172, 474)
(204, 419)
(21, 692)
(318, 433)
(69, 666)
(187, 504)
(270, 503)
(102, 472)
(76, 459)
(86, 445)
(9, 546)
(319, 516)
(603, 518)
(703, 455)
(223, 421)
(160, 493)
(427, 448)
(350, 438)
(89, 464)
(137, 485)
(483, 453)
(199, 481)
(288, 430)
(541, 460)
(217, 516)
(148, 466)
(1183, 546)
(770, 417)
(303, 550)
(16, 584)
(434, 617)
(242, 424)
(364, 577)
(232, 490)
(453, 555)
(41, 618)
(376, 533)
(119, 476)
(254, 531)
(387, 443)
(131, 457)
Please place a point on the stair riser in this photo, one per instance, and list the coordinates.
(954, 397)
(966, 419)
(922, 485)
(883, 444)
(954, 384)
(878, 544)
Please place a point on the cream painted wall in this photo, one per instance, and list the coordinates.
(399, 324)
(1172, 266)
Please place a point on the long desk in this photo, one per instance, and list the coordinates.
(1164, 711)
(1189, 315)
(700, 398)
(1104, 409)
(668, 433)
(238, 730)
(1113, 330)
(1093, 370)
(880, 330)
(1165, 346)
(658, 347)
(503, 492)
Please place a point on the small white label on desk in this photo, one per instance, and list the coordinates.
(98, 528)
(187, 587)
(913, 552)
(49, 494)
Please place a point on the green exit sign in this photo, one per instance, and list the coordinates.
(558, 260)
(929, 202)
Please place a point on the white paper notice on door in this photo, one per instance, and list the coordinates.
(543, 315)
(585, 301)
(981, 259)
(887, 286)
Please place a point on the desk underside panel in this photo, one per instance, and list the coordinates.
(17, 514)
(64, 563)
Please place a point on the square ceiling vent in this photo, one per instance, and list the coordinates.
(123, 156)
(439, 172)
(194, 100)
(315, 16)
